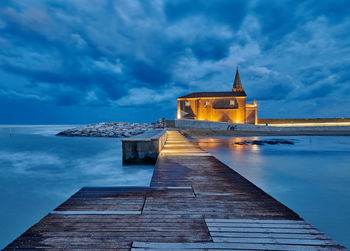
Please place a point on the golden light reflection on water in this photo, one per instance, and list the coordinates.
(237, 144)
(255, 148)
(245, 154)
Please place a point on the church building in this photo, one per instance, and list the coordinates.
(229, 106)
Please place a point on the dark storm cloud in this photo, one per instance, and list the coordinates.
(145, 72)
(223, 11)
(210, 49)
(277, 19)
(137, 53)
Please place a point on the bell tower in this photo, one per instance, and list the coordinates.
(237, 84)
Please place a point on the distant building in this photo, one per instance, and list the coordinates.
(228, 106)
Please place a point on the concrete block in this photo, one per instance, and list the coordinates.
(143, 148)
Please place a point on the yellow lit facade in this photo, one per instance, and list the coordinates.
(219, 106)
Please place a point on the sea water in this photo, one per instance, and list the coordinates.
(39, 171)
(310, 176)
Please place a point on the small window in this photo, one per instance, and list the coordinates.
(187, 103)
(232, 102)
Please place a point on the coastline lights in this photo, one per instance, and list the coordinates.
(309, 124)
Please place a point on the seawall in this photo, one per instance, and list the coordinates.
(306, 122)
(202, 127)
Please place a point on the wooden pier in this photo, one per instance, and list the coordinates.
(195, 202)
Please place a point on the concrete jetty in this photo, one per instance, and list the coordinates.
(194, 202)
(144, 148)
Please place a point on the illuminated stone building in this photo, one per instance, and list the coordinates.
(228, 106)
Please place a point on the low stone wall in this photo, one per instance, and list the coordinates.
(202, 127)
(170, 123)
(143, 148)
(306, 122)
(210, 125)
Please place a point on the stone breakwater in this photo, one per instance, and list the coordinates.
(114, 129)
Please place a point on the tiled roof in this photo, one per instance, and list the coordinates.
(215, 94)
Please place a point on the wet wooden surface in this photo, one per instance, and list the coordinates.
(195, 202)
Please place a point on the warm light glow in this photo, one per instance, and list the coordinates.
(202, 109)
(178, 145)
(239, 146)
(255, 148)
(174, 141)
(309, 124)
(185, 152)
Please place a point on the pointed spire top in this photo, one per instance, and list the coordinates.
(237, 84)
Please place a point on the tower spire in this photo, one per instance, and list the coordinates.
(237, 84)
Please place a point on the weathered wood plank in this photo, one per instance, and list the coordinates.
(261, 225)
(269, 235)
(293, 241)
(167, 249)
(96, 212)
(227, 246)
(262, 230)
(254, 221)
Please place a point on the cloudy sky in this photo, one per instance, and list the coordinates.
(82, 61)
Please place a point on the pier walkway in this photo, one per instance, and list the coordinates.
(195, 202)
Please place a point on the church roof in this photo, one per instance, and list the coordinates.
(215, 94)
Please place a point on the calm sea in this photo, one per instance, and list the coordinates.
(311, 176)
(38, 171)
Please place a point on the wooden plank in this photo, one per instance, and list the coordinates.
(104, 228)
(126, 218)
(167, 249)
(227, 246)
(263, 230)
(96, 212)
(175, 188)
(269, 235)
(238, 248)
(208, 221)
(294, 241)
(261, 225)
(187, 234)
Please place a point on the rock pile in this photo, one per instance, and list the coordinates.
(113, 129)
